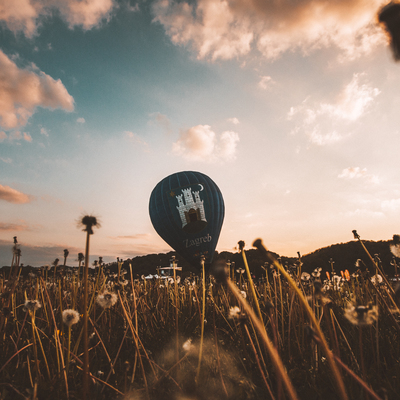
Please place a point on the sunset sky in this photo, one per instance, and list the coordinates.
(292, 108)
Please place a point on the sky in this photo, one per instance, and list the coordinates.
(291, 107)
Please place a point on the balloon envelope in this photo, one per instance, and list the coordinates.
(187, 211)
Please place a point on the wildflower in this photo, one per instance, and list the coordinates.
(240, 271)
(70, 317)
(316, 273)
(347, 274)
(234, 312)
(106, 300)
(361, 315)
(376, 279)
(243, 293)
(32, 305)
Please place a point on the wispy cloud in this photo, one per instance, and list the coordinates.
(13, 196)
(358, 173)
(44, 132)
(132, 237)
(163, 121)
(24, 15)
(234, 121)
(22, 90)
(10, 227)
(265, 82)
(135, 138)
(203, 144)
(391, 205)
(218, 29)
(15, 136)
(321, 121)
(81, 120)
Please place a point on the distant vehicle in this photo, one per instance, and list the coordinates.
(167, 272)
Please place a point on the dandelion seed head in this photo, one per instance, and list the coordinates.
(88, 222)
(234, 312)
(305, 276)
(32, 305)
(361, 315)
(376, 279)
(106, 300)
(70, 317)
(188, 346)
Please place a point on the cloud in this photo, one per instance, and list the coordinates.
(234, 121)
(16, 136)
(6, 160)
(358, 173)
(221, 29)
(22, 90)
(81, 120)
(25, 15)
(163, 121)
(321, 121)
(391, 205)
(44, 132)
(134, 138)
(39, 255)
(201, 143)
(132, 237)
(265, 82)
(13, 196)
(9, 227)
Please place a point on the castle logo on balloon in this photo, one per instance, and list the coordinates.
(191, 210)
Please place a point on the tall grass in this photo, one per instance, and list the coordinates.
(277, 337)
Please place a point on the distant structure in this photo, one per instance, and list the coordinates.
(190, 209)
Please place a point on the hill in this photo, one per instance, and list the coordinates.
(341, 256)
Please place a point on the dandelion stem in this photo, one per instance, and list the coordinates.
(202, 320)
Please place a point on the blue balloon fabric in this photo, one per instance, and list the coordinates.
(187, 210)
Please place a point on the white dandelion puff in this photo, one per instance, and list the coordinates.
(361, 315)
(106, 300)
(32, 305)
(376, 279)
(234, 312)
(70, 317)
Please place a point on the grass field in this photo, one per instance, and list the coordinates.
(322, 335)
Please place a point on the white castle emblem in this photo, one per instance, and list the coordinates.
(190, 209)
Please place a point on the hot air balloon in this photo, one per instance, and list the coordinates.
(187, 211)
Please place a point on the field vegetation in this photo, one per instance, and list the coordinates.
(288, 334)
